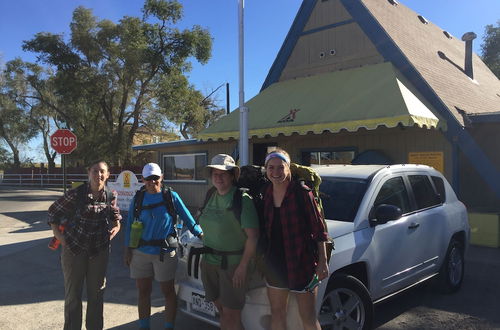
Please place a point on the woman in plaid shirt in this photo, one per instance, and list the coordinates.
(89, 227)
(296, 255)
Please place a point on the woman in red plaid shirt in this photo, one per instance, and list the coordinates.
(295, 256)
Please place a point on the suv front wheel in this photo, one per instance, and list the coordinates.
(346, 304)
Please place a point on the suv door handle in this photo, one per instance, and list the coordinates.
(413, 225)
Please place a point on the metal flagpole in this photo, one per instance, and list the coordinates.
(243, 143)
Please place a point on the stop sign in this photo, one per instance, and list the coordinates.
(63, 141)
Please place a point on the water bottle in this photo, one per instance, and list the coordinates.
(135, 234)
(314, 283)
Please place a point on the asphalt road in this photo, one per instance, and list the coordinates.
(31, 289)
(31, 280)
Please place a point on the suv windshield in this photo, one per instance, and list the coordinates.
(341, 197)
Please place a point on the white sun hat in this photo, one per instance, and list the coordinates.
(225, 163)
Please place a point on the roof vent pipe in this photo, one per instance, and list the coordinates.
(468, 37)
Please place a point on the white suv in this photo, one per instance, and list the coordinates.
(393, 227)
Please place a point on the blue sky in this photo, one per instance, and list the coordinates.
(266, 25)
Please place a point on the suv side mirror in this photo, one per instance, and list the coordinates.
(384, 213)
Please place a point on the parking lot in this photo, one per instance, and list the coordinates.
(32, 290)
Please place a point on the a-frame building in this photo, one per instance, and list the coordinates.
(367, 81)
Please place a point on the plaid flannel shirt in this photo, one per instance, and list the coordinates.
(89, 231)
(302, 230)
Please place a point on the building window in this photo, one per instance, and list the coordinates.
(328, 157)
(185, 167)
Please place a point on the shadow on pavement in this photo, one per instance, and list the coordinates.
(30, 198)
(477, 299)
(157, 321)
(33, 274)
(37, 220)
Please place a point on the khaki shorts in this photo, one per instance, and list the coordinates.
(144, 265)
(218, 284)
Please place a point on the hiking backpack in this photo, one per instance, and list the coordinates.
(253, 181)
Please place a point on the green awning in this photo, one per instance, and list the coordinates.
(368, 97)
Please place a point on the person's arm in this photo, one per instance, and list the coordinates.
(58, 213)
(322, 267)
(319, 233)
(240, 273)
(58, 234)
(318, 230)
(186, 216)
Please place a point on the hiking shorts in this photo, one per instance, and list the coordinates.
(218, 284)
(144, 265)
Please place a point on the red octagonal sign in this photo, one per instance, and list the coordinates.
(63, 141)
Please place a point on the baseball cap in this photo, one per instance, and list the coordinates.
(151, 169)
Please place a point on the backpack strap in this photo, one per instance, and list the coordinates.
(109, 195)
(81, 199)
(167, 201)
(209, 194)
(138, 199)
(109, 198)
(237, 203)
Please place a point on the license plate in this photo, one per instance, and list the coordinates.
(198, 303)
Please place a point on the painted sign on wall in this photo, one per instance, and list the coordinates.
(431, 158)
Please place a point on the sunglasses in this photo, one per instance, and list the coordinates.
(152, 177)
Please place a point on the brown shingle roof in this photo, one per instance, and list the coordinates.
(422, 45)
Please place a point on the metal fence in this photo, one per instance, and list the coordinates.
(44, 180)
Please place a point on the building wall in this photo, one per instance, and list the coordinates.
(396, 143)
(325, 13)
(193, 194)
(474, 191)
(329, 29)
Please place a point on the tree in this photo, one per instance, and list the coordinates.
(4, 158)
(186, 106)
(108, 76)
(16, 125)
(37, 88)
(490, 49)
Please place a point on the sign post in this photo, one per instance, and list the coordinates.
(63, 141)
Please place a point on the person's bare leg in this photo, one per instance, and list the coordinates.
(144, 287)
(170, 300)
(307, 309)
(279, 302)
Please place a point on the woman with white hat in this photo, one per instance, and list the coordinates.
(151, 247)
(231, 240)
